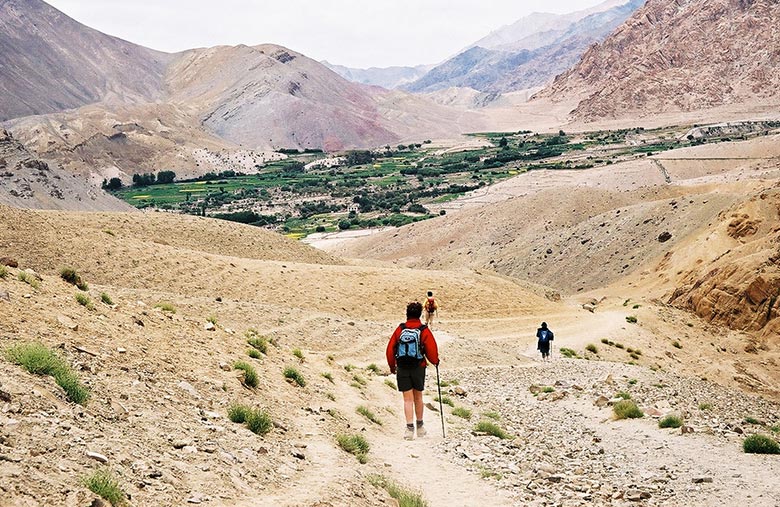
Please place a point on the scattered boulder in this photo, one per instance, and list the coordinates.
(535, 389)
(601, 401)
(664, 237)
(67, 323)
(8, 261)
(701, 479)
(32, 273)
(209, 326)
(589, 307)
(97, 456)
(685, 430)
(460, 391)
(5, 296)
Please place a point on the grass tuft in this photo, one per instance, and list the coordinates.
(298, 353)
(389, 383)
(166, 307)
(250, 374)
(752, 420)
(492, 428)
(84, 301)
(40, 360)
(103, 484)
(355, 445)
(567, 352)
(259, 343)
(631, 319)
(592, 348)
(254, 354)
(294, 375)
(405, 497)
(623, 394)
(28, 279)
(106, 299)
(548, 389)
(368, 414)
(373, 368)
(237, 413)
(705, 406)
(676, 344)
(72, 277)
(627, 409)
(670, 421)
(257, 421)
(760, 444)
(445, 400)
(3, 272)
(328, 376)
(462, 412)
(492, 415)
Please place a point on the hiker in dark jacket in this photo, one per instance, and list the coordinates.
(545, 336)
(410, 370)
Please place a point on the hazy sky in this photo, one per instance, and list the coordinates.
(356, 33)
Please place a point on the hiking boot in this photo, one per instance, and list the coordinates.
(409, 433)
(421, 432)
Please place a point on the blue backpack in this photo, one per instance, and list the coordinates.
(409, 351)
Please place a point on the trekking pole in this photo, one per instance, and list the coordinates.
(441, 407)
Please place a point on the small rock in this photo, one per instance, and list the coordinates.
(686, 430)
(27, 296)
(5, 396)
(98, 502)
(121, 350)
(535, 389)
(225, 367)
(209, 326)
(460, 391)
(32, 273)
(96, 456)
(653, 412)
(431, 406)
(633, 495)
(558, 395)
(701, 479)
(68, 323)
(189, 449)
(589, 307)
(137, 321)
(664, 237)
(601, 401)
(5, 296)
(196, 499)
(8, 261)
(609, 379)
(298, 455)
(179, 444)
(555, 478)
(186, 386)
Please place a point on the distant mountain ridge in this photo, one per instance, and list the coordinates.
(678, 55)
(528, 53)
(51, 62)
(386, 77)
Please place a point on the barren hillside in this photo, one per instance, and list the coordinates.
(678, 55)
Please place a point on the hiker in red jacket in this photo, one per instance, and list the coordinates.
(411, 343)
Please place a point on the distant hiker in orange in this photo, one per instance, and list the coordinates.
(409, 346)
(430, 309)
(545, 336)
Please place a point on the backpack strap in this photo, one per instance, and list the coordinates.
(402, 325)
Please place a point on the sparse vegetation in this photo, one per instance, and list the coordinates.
(627, 409)
(84, 301)
(404, 497)
(373, 368)
(389, 383)
(760, 444)
(491, 428)
(451, 382)
(257, 420)
(570, 353)
(259, 343)
(355, 445)
(72, 277)
(298, 353)
(38, 359)
(250, 374)
(3, 272)
(592, 348)
(445, 400)
(360, 380)
(676, 344)
(103, 484)
(368, 414)
(254, 353)
(632, 381)
(492, 415)
(106, 299)
(753, 420)
(328, 376)
(212, 319)
(619, 346)
(294, 375)
(631, 319)
(548, 389)
(624, 395)
(28, 279)
(670, 421)
(462, 412)
(775, 428)
(166, 307)
(349, 367)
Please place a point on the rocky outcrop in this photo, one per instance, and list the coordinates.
(678, 55)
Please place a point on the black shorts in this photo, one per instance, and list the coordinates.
(411, 378)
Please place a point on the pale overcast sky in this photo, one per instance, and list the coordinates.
(356, 33)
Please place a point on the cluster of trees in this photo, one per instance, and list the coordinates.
(249, 217)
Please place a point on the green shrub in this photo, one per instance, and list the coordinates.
(260, 343)
(462, 412)
(3, 272)
(491, 429)
(548, 389)
(259, 422)
(623, 394)
(775, 428)
(605, 341)
(298, 353)
(676, 344)
(237, 413)
(349, 367)
(250, 374)
(106, 299)
(28, 279)
(354, 444)
(404, 497)
(212, 319)
(591, 348)
(373, 368)
(254, 354)
(72, 277)
(445, 400)
(760, 444)
(366, 412)
(705, 406)
(389, 383)
(492, 415)
(627, 409)
(631, 319)
(566, 352)
(632, 381)
(103, 484)
(329, 377)
(636, 307)
(166, 307)
(752, 420)
(620, 346)
(293, 374)
(670, 421)
(40, 360)
(360, 380)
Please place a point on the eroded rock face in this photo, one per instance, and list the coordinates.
(741, 288)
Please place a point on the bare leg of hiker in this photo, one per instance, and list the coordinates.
(418, 410)
(409, 406)
(429, 319)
